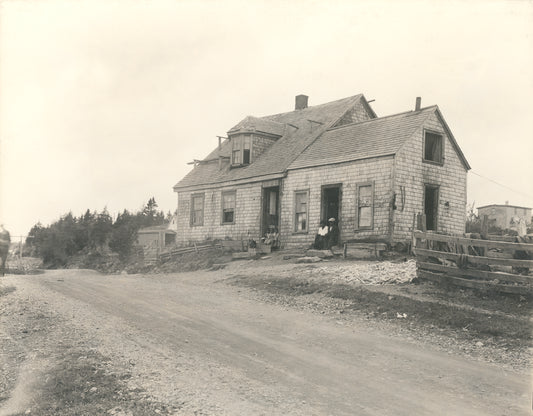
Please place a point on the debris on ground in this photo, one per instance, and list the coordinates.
(313, 259)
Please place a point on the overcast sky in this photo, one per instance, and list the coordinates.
(103, 103)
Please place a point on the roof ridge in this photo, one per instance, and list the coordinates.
(312, 106)
(381, 118)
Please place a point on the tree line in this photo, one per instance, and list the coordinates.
(92, 231)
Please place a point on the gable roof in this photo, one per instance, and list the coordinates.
(372, 138)
(260, 125)
(377, 137)
(300, 129)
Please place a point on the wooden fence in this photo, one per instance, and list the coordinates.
(472, 263)
(173, 254)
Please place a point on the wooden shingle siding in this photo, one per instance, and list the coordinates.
(350, 174)
(411, 174)
(357, 114)
(247, 215)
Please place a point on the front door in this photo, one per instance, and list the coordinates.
(431, 206)
(270, 217)
(331, 203)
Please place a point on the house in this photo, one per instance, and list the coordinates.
(292, 170)
(505, 216)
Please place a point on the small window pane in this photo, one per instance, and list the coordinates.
(365, 216)
(228, 216)
(365, 195)
(246, 156)
(236, 157)
(229, 201)
(301, 221)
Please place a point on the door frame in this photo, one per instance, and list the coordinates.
(323, 202)
(262, 230)
(437, 200)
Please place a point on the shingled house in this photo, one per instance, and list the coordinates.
(294, 169)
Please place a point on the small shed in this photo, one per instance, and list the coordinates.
(159, 236)
(506, 216)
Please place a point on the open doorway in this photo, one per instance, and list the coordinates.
(270, 217)
(431, 206)
(331, 202)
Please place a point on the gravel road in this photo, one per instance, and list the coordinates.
(191, 344)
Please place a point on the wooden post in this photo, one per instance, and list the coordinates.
(344, 250)
(413, 239)
(484, 227)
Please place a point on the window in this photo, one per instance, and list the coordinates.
(241, 150)
(197, 209)
(433, 148)
(228, 207)
(365, 206)
(300, 211)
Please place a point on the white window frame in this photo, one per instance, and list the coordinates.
(306, 230)
(223, 209)
(358, 206)
(192, 215)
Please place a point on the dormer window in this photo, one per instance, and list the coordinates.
(241, 149)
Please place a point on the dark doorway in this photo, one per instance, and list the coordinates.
(270, 208)
(331, 202)
(431, 206)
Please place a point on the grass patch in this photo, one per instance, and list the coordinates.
(81, 384)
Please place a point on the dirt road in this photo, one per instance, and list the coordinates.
(190, 344)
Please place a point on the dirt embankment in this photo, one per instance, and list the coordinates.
(489, 326)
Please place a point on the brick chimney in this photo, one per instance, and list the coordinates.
(301, 102)
(418, 104)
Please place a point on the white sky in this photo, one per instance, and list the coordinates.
(102, 103)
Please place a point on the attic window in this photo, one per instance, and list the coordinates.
(433, 148)
(241, 150)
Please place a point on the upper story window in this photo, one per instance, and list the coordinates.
(241, 149)
(433, 147)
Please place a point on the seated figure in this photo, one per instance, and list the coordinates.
(321, 238)
(333, 233)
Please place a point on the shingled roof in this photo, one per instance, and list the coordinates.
(372, 138)
(300, 129)
(377, 137)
